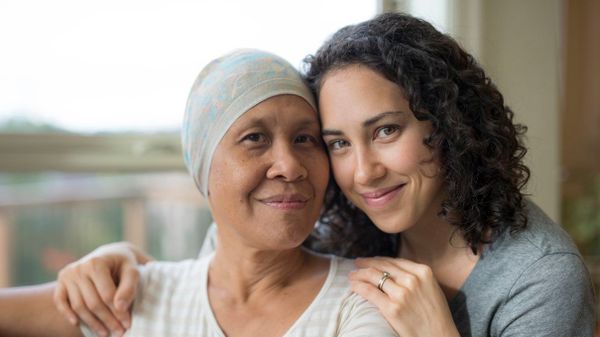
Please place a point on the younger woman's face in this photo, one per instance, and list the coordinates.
(269, 174)
(376, 148)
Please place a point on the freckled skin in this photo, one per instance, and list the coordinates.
(279, 160)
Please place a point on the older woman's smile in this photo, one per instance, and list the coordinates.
(286, 201)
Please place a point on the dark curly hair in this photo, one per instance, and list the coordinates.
(480, 147)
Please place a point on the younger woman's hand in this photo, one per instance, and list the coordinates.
(410, 299)
(99, 288)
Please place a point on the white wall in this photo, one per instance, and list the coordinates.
(518, 44)
(520, 49)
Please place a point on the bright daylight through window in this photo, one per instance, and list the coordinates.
(92, 96)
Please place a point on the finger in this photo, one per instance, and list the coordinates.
(370, 292)
(405, 264)
(106, 289)
(370, 275)
(61, 301)
(407, 279)
(391, 285)
(397, 265)
(391, 298)
(381, 263)
(374, 261)
(103, 283)
(79, 306)
(94, 302)
(126, 292)
(393, 309)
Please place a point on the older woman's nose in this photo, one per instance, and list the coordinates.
(368, 168)
(286, 164)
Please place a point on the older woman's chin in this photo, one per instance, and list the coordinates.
(283, 238)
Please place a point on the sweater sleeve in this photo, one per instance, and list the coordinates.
(553, 297)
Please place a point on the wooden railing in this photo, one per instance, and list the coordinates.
(133, 192)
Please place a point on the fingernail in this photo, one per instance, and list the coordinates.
(73, 320)
(125, 324)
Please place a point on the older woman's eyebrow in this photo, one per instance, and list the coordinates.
(263, 122)
(379, 117)
(250, 123)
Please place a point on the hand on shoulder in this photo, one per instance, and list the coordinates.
(98, 289)
(407, 295)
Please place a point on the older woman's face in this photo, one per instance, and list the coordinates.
(269, 174)
(376, 148)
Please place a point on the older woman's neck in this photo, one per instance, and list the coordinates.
(245, 272)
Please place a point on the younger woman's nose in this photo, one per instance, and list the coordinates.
(368, 168)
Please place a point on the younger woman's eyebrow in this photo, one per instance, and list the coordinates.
(331, 132)
(379, 117)
(365, 124)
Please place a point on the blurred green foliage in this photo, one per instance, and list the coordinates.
(45, 238)
(581, 217)
(27, 125)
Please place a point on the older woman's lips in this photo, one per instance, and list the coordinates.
(380, 198)
(286, 201)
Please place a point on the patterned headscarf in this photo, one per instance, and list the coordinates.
(224, 90)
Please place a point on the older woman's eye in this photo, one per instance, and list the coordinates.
(301, 139)
(254, 138)
(386, 131)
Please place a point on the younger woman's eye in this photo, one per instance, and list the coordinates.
(337, 144)
(386, 131)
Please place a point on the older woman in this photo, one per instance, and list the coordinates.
(251, 140)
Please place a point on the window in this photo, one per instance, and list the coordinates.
(92, 97)
(128, 65)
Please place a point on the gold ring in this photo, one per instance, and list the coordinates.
(382, 280)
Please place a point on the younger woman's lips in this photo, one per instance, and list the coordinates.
(381, 197)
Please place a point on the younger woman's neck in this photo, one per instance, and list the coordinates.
(430, 241)
(432, 238)
(442, 247)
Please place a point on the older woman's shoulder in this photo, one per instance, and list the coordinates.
(339, 308)
(172, 269)
(344, 265)
(156, 276)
